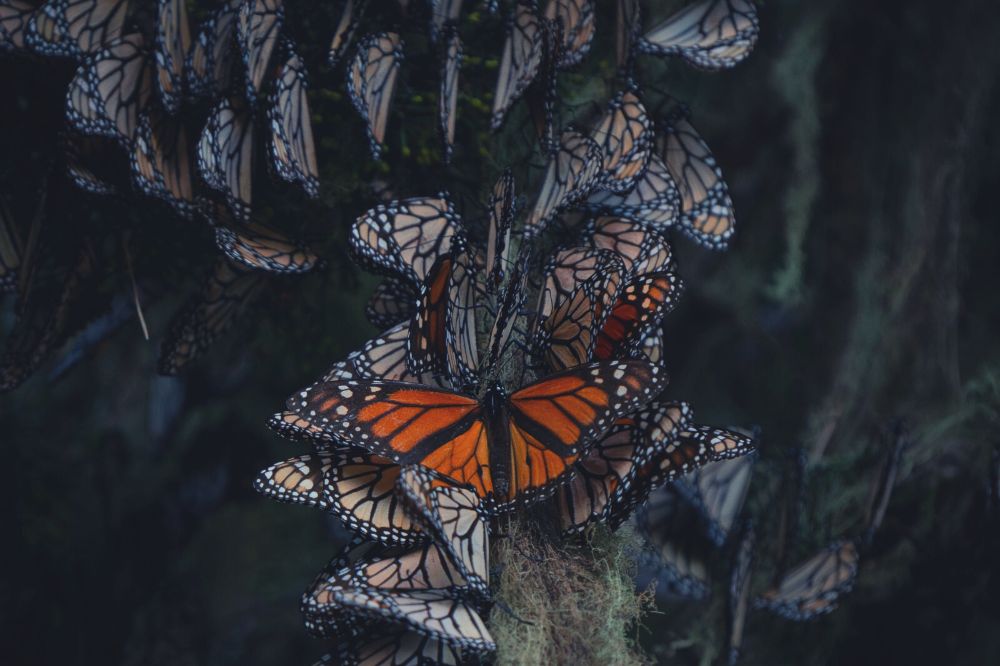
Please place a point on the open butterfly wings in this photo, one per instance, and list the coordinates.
(509, 450)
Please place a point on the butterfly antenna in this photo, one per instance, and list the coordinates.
(135, 288)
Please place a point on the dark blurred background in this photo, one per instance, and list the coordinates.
(860, 143)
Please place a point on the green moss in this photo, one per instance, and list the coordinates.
(573, 602)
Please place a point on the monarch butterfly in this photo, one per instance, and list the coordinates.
(541, 94)
(572, 172)
(451, 516)
(293, 153)
(586, 497)
(718, 491)
(519, 62)
(814, 587)
(572, 267)
(625, 136)
(263, 248)
(349, 19)
(511, 301)
(655, 198)
(10, 251)
(566, 334)
(713, 34)
(428, 611)
(173, 42)
(448, 99)
(410, 576)
(739, 594)
(257, 26)
(643, 303)
(76, 28)
(210, 63)
(391, 648)
(110, 90)
(371, 83)
(92, 163)
(406, 237)
(643, 249)
(14, 17)
(208, 314)
(706, 210)
(161, 160)
(443, 12)
(510, 449)
(577, 20)
(225, 154)
(442, 338)
(500, 211)
(298, 480)
(626, 34)
(330, 621)
(392, 302)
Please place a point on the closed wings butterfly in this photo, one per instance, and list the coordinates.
(293, 153)
(76, 28)
(713, 34)
(173, 42)
(257, 27)
(371, 83)
(211, 61)
(509, 448)
(706, 208)
(520, 61)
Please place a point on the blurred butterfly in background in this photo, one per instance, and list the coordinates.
(224, 296)
(814, 587)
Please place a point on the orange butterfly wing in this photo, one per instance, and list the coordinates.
(555, 420)
(407, 423)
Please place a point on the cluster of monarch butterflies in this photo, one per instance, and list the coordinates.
(509, 379)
